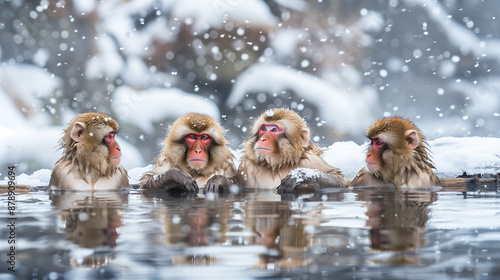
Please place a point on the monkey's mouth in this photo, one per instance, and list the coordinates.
(115, 160)
(197, 162)
(372, 166)
(264, 150)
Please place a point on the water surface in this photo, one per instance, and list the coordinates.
(349, 234)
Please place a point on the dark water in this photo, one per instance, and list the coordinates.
(351, 234)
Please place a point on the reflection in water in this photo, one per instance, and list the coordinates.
(355, 234)
(90, 220)
(192, 222)
(397, 221)
(286, 239)
(268, 227)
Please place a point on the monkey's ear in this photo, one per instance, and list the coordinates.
(412, 138)
(305, 138)
(77, 131)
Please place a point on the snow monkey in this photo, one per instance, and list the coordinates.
(91, 156)
(279, 154)
(195, 155)
(398, 155)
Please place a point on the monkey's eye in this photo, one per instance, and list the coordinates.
(109, 137)
(192, 138)
(378, 142)
(274, 129)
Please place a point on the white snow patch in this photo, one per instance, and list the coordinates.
(348, 156)
(38, 178)
(270, 113)
(454, 155)
(135, 174)
(300, 174)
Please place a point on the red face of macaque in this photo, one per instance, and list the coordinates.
(197, 154)
(373, 156)
(114, 149)
(267, 138)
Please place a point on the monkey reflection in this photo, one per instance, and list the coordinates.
(287, 240)
(192, 223)
(91, 221)
(398, 220)
(196, 225)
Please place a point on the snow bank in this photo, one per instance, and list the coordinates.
(135, 174)
(38, 178)
(348, 156)
(451, 155)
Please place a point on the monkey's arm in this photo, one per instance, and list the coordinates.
(308, 180)
(219, 184)
(172, 181)
(222, 180)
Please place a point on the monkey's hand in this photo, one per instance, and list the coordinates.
(218, 184)
(306, 180)
(173, 181)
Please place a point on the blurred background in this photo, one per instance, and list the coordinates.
(340, 64)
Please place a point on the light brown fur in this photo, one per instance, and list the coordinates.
(84, 163)
(295, 150)
(174, 150)
(399, 164)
